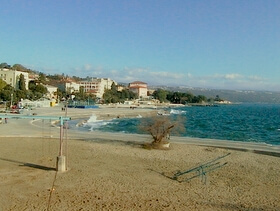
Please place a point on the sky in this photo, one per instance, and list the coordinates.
(220, 44)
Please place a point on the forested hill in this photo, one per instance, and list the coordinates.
(236, 96)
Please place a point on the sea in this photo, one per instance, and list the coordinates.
(237, 122)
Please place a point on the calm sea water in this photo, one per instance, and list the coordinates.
(243, 122)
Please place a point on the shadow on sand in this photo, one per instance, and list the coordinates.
(274, 154)
(31, 165)
(122, 142)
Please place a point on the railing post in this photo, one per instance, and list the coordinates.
(61, 160)
(61, 137)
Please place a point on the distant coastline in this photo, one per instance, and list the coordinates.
(235, 96)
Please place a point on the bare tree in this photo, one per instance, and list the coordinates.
(160, 128)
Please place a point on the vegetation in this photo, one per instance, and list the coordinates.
(179, 97)
(21, 83)
(8, 93)
(83, 96)
(36, 91)
(114, 96)
(42, 78)
(19, 67)
(5, 65)
(2, 84)
(160, 95)
(160, 128)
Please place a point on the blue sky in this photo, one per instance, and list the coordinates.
(224, 44)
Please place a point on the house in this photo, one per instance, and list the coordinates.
(140, 88)
(52, 91)
(95, 86)
(12, 77)
(71, 87)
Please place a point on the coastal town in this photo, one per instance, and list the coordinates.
(91, 87)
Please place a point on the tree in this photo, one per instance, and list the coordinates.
(188, 97)
(42, 78)
(9, 88)
(75, 78)
(81, 95)
(6, 93)
(114, 88)
(41, 88)
(36, 91)
(31, 85)
(114, 96)
(21, 83)
(160, 94)
(175, 97)
(61, 94)
(20, 94)
(199, 99)
(19, 67)
(217, 98)
(107, 96)
(5, 65)
(2, 84)
(160, 128)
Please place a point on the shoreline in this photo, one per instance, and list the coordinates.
(112, 171)
(108, 113)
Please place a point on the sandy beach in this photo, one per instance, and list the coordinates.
(107, 171)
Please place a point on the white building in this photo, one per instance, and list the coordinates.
(44, 103)
(140, 88)
(52, 91)
(71, 87)
(11, 77)
(96, 86)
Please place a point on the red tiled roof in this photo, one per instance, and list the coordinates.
(137, 82)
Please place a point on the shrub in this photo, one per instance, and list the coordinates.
(160, 128)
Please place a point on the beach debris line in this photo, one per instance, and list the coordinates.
(199, 171)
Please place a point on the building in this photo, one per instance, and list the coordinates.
(11, 77)
(120, 88)
(71, 87)
(95, 86)
(52, 91)
(140, 88)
